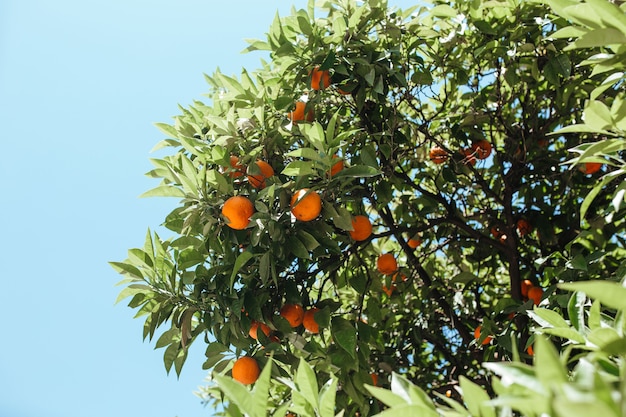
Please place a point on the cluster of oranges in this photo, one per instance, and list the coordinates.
(480, 149)
(522, 226)
(531, 292)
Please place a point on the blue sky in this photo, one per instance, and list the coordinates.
(81, 85)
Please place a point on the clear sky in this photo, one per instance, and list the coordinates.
(81, 85)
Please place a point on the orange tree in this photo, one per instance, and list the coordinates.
(443, 118)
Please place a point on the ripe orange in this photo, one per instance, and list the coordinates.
(535, 294)
(306, 205)
(237, 168)
(246, 370)
(523, 227)
(237, 211)
(254, 329)
(389, 290)
(293, 313)
(482, 148)
(469, 156)
(344, 92)
(297, 115)
(530, 350)
(477, 333)
(337, 166)
(362, 228)
(495, 232)
(438, 155)
(525, 286)
(374, 378)
(591, 167)
(308, 321)
(319, 79)
(258, 180)
(387, 264)
(413, 243)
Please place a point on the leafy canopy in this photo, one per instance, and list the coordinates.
(503, 90)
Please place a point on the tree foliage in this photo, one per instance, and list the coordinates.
(503, 92)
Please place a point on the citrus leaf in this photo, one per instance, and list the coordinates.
(344, 335)
(611, 294)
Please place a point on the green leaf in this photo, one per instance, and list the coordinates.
(606, 336)
(306, 153)
(557, 68)
(476, 399)
(308, 240)
(518, 373)
(314, 133)
(387, 397)
(597, 115)
(611, 294)
(307, 383)
(297, 248)
(576, 310)
(127, 269)
(327, 398)
(343, 218)
(344, 334)
(241, 260)
(358, 171)
(443, 10)
(167, 130)
(591, 195)
(414, 395)
(598, 38)
(565, 333)
(548, 318)
(164, 191)
(299, 169)
(132, 290)
(408, 410)
(549, 369)
(239, 395)
(260, 392)
(217, 181)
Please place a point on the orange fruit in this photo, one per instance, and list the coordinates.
(337, 166)
(254, 329)
(523, 227)
(237, 168)
(237, 211)
(482, 148)
(258, 180)
(469, 156)
(319, 79)
(477, 332)
(535, 294)
(591, 167)
(438, 155)
(530, 350)
(413, 243)
(344, 92)
(374, 378)
(362, 228)
(525, 286)
(298, 115)
(389, 290)
(308, 321)
(386, 264)
(495, 232)
(246, 370)
(306, 205)
(293, 313)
